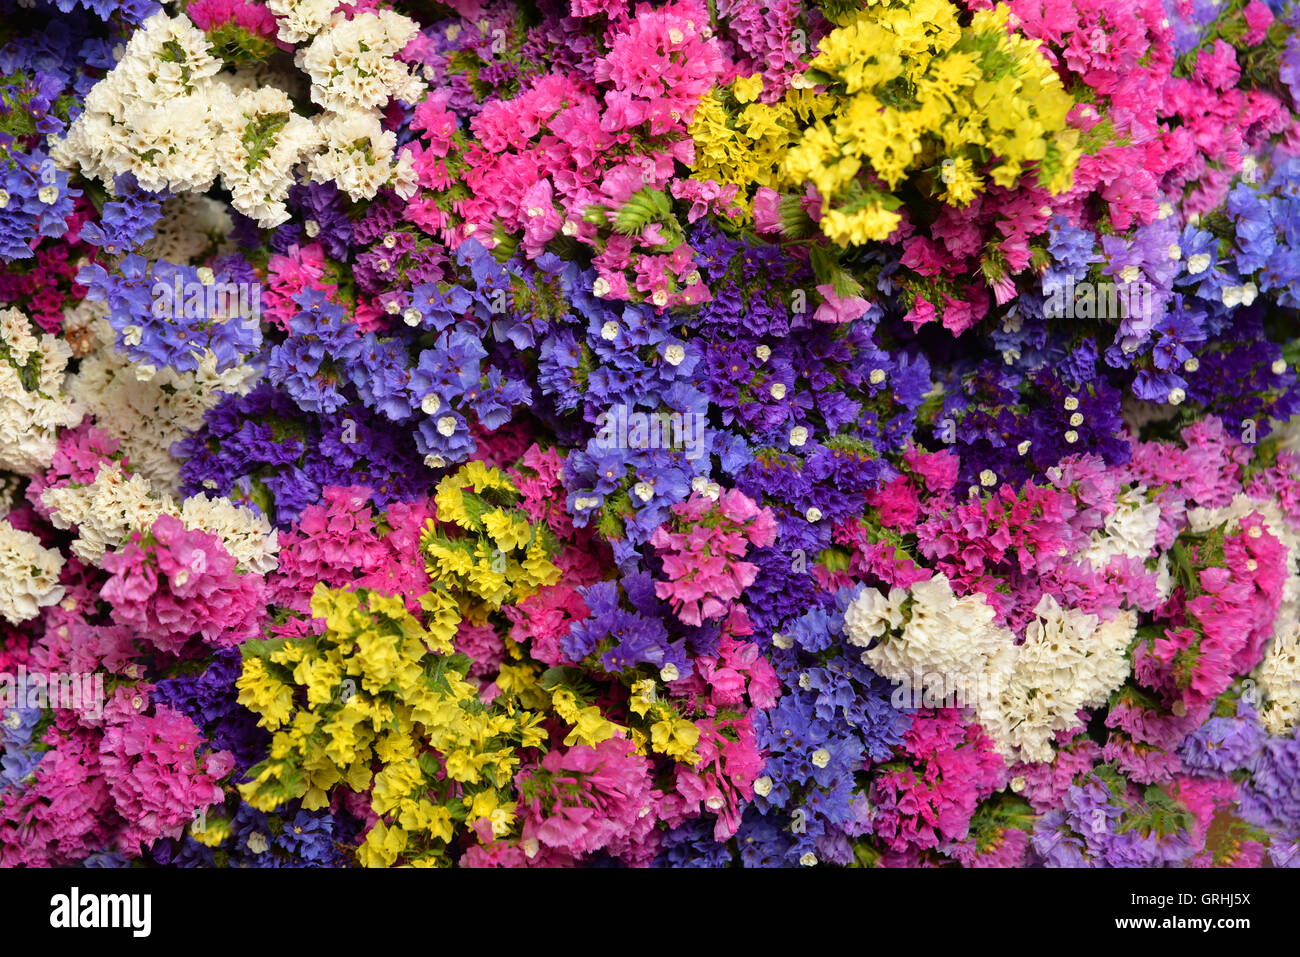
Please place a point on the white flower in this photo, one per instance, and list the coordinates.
(609, 331)
(763, 786)
(1198, 263)
(353, 64)
(871, 614)
(821, 757)
(669, 672)
(762, 351)
(259, 185)
(30, 418)
(813, 514)
(358, 155)
(644, 491)
(300, 20)
(674, 354)
(29, 575)
(447, 426)
(777, 390)
(798, 436)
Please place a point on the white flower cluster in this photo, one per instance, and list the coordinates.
(156, 112)
(352, 65)
(943, 635)
(353, 75)
(1278, 678)
(104, 513)
(32, 402)
(147, 417)
(167, 113)
(301, 20)
(1022, 695)
(108, 510)
(248, 537)
(358, 156)
(1129, 531)
(1068, 661)
(193, 227)
(261, 143)
(29, 574)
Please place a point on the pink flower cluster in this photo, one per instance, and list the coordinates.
(173, 585)
(117, 782)
(702, 564)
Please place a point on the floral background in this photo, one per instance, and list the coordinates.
(582, 433)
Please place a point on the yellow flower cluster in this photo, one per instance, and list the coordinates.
(380, 688)
(745, 146)
(500, 557)
(670, 734)
(907, 93)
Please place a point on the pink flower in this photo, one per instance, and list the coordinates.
(836, 309)
(767, 210)
(920, 313)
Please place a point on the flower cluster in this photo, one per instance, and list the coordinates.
(764, 433)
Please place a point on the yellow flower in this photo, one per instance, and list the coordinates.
(676, 737)
(394, 783)
(462, 766)
(433, 819)
(210, 831)
(961, 181)
(264, 694)
(747, 89)
(382, 846)
(871, 222)
(591, 728)
(508, 531)
(643, 696)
